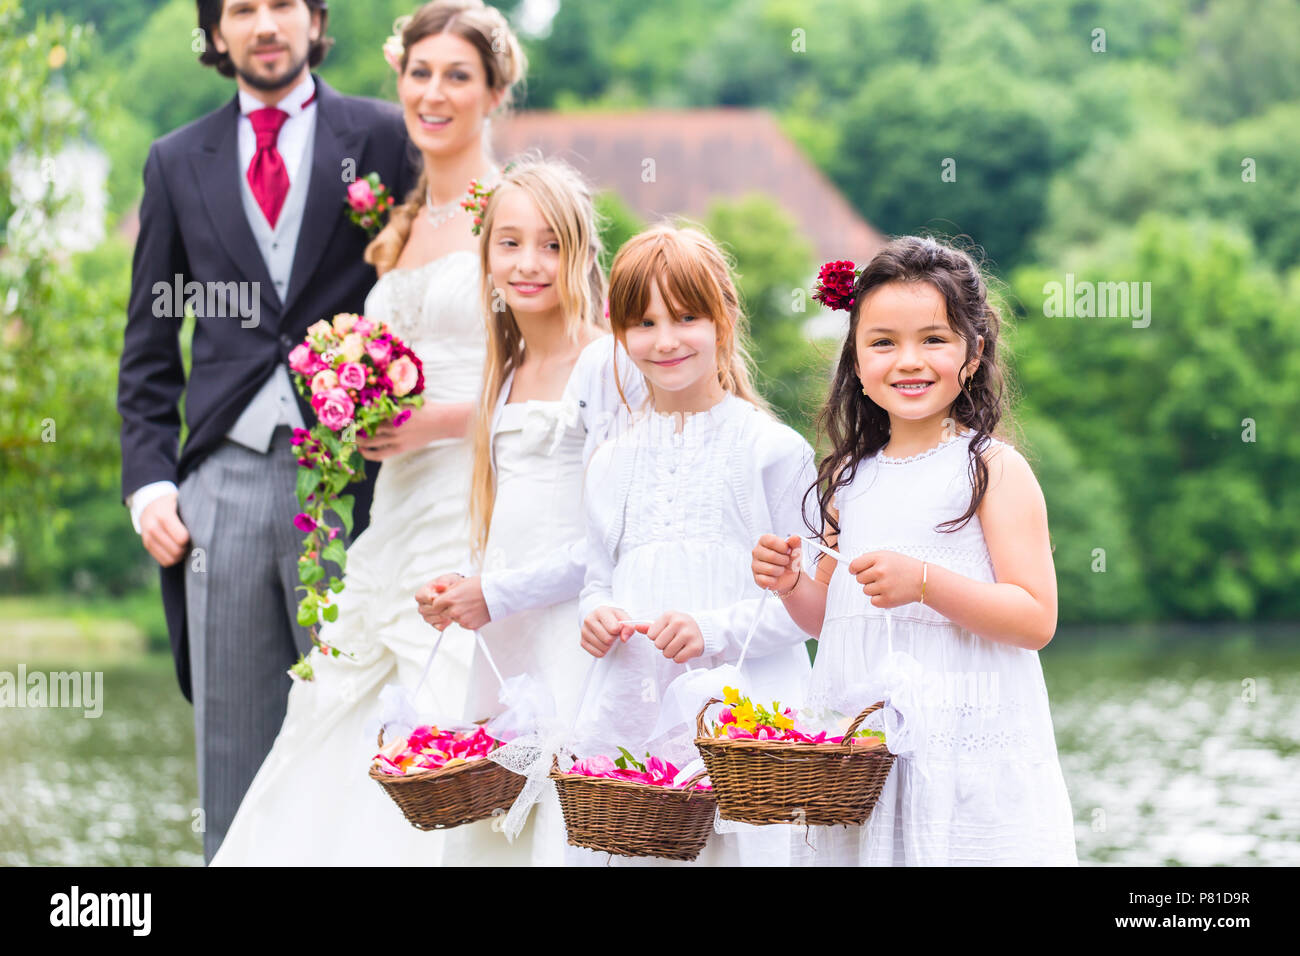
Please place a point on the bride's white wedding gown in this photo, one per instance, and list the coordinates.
(312, 802)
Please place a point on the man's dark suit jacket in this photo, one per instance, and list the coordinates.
(192, 225)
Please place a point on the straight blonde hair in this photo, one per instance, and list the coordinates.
(565, 202)
(693, 275)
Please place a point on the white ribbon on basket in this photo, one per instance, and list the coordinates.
(533, 755)
(897, 681)
(398, 715)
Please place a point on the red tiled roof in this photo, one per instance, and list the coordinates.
(699, 156)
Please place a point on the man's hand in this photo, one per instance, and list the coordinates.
(164, 536)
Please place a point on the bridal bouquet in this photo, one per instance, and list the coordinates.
(656, 771)
(357, 375)
(741, 720)
(428, 748)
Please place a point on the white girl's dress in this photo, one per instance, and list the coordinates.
(312, 802)
(533, 570)
(993, 792)
(672, 519)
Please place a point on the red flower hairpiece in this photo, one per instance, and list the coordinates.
(835, 282)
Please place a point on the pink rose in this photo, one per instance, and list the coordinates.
(598, 766)
(344, 323)
(351, 375)
(360, 196)
(334, 408)
(402, 373)
(305, 361)
(324, 380)
(363, 326)
(380, 352)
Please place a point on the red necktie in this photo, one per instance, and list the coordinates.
(267, 175)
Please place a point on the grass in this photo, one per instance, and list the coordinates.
(71, 627)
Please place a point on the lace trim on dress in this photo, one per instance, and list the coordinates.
(406, 291)
(885, 459)
(881, 456)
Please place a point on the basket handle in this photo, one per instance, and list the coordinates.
(699, 718)
(690, 784)
(857, 721)
(866, 712)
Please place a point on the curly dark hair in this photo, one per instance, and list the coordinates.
(857, 427)
(210, 16)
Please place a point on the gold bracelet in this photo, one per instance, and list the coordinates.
(791, 588)
(925, 572)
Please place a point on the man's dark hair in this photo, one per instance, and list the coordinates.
(210, 16)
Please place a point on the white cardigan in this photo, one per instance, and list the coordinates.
(767, 477)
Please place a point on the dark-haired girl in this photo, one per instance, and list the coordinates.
(942, 529)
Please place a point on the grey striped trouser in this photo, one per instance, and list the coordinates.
(241, 611)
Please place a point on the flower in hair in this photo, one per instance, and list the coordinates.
(476, 202)
(393, 48)
(835, 283)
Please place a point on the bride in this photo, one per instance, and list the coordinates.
(312, 802)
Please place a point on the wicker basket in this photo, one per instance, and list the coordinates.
(440, 799)
(766, 781)
(635, 819)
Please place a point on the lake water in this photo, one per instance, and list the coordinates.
(1178, 747)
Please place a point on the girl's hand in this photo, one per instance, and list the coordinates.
(602, 627)
(678, 636)
(429, 594)
(776, 562)
(462, 603)
(424, 425)
(890, 579)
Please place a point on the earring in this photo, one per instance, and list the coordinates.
(864, 389)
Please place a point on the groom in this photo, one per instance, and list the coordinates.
(243, 221)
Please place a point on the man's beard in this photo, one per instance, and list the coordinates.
(272, 83)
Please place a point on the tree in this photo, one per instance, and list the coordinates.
(976, 123)
(1189, 416)
(773, 265)
(618, 224)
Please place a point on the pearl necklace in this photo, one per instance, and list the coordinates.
(437, 215)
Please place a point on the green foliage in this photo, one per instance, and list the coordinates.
(1086, 512)
(1117, 165)
(56, 368)
(1186, 416)
(618, 224)
(774, 267)
(909, 120)
(1245, 59)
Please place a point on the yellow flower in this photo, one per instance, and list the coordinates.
(730, 695)
(782, 722)
(744, 714)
